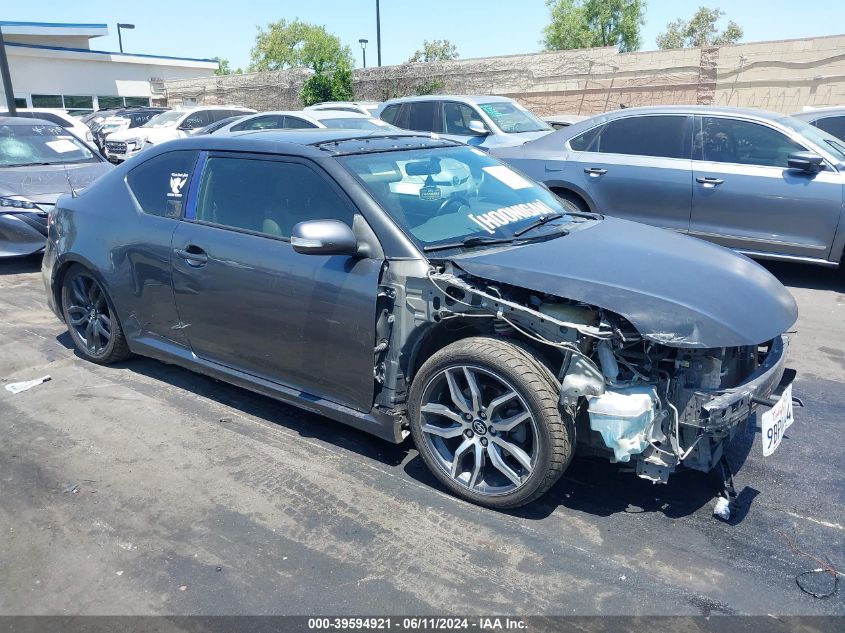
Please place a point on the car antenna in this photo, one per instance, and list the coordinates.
(73, 193)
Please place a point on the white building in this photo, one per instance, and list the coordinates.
(53, 66)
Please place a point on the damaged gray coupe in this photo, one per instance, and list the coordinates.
(409, 285)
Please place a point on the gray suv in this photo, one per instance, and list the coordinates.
(484, 121)
(765, 184)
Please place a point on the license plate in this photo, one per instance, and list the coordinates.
(775, 421)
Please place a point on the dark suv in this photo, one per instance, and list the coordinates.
(356, 277)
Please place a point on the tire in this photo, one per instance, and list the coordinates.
(571, 202)
(91, 319)
(506, 446)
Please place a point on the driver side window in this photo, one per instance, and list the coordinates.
(456, 118)
(196, 120)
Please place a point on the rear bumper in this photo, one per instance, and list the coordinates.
(718, 413)
(21, 234)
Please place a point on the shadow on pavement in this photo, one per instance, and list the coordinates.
(19, 265)
(807, 275)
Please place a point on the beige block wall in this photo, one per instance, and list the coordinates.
(783, 76)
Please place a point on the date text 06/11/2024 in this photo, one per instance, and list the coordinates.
(417, 623)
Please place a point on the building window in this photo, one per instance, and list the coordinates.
(109, 102)
(20, 102)
(79, 102)
(47, 101)
(137, 101)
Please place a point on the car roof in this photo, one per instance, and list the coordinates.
(332, 114)
(817, 113)
(13, 120)
(311, 142)
(461, 98)
(326, 104)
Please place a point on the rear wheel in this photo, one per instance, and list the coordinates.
(90, 319)
(485, 418)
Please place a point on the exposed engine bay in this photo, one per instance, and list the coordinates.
(633, 400)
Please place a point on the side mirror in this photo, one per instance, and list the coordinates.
(324, 237)
(478, 128)
(805, 161)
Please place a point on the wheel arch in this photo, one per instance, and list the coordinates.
(567, 190)
(60, 271)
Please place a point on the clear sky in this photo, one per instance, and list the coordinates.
(226, 28)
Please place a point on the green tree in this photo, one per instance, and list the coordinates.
(700, 31)
(328, 86)
(297, 44)
(223, 67)
(435, 51)
(591, 23)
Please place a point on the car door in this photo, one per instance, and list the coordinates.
(248, 301)
(639, 168)
(745, 196)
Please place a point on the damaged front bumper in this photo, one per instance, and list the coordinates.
(688, 427)
(716, 413)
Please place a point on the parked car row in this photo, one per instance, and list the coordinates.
(461, 283)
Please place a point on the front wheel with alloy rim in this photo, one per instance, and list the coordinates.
(484, 416)
(90, 319)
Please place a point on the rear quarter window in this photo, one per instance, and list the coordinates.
(160, 185)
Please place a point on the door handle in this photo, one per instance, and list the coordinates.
(595, 171)
(194, 255)
(711, 182)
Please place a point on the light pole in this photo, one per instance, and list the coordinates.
(378, 32)
(363, 44)
(128, 27)
(7, 78)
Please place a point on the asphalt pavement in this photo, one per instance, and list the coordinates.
(142, 488)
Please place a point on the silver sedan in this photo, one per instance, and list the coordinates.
(765, 184)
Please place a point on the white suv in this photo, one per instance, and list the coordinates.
(166, 126)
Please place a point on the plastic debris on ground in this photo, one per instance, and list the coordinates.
(722, 509)
(17, 387)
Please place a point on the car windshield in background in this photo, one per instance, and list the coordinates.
(833, 145)
(450, 195)
(22, 145)
(165, 118)
(356, 123)
(512, 119)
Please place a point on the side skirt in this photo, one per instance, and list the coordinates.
(381, 424)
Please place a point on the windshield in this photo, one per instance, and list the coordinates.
(828, 142)
(357, 123)
(164, 118)
(512, 118)
(450, 194)
(41, 145)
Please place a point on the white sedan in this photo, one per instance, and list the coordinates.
(301, 119)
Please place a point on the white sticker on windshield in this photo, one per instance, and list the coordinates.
(492, 220)
(507, 176)
(62, 146)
